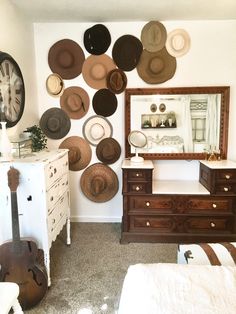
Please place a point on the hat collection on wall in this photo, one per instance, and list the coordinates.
(154, 57)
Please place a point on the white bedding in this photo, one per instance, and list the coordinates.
(178, 289)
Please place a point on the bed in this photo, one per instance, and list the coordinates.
(178, 289)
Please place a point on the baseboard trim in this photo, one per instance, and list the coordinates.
(94, 219)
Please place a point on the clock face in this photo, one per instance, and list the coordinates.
(12, 89)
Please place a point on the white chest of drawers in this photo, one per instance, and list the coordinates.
(43, 199)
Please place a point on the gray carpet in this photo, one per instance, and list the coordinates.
(87, 276)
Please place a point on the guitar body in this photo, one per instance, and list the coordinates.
(21, 261)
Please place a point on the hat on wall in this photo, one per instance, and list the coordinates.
(80, 152)
(95, 70)
(99, 183)
(97, 128)
(153, 36)
(104, 102)
(97, 39)
(66, 58)
(108, 150)
(156, 67)
(126, 52)
(55, 85)
(178, 42)
(55, 123)
(75, 102)
(116, 81)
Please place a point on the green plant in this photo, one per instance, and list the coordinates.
(39, 140)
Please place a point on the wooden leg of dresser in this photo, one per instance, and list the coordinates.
(68, 239)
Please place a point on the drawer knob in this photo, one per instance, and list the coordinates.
(51, 199)
(227, 176)
(137, 188)
(226, 189)
(212, 224)
(148, 224)
(147, 204)
(137, 174)
(55, 170)
(214, 205)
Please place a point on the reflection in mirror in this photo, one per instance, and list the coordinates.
(138, 140)
(193, 124)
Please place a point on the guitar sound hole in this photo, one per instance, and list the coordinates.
(29, 198)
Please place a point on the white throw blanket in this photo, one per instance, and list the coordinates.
(178, 289)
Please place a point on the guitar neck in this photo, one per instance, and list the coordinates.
(15, 218)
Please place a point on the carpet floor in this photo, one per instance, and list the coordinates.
(87, 276)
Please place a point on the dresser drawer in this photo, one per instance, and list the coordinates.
(226, 174)
(54, 170)
(160, 204)
(152, 224)
(226, 188)
(56, 191)
(139, 174)
(209, 224)
(140, 187)
(214, 205)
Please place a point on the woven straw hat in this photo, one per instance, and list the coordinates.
(156, 67)
(116, 81)
(96, 128)
(55, 85)
(99, 183)
(97, 39)
(108, 150)
(80, 152)
(75, 102)
(66, 58)
(153, 36)
(178, 42)
(95, 70)
(104, 102)
(55, 123)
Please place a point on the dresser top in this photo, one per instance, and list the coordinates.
(221, 164)
(178, 187)
(128, 164)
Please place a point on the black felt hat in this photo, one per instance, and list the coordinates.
(97, 39)
(104, 102)
(126, 52)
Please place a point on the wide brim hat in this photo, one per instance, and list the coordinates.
(80, 152)
(99, 183)
(178, 42)
(126, 52)
(95, 70)
(97, 39)
(153, 36)
(116, 81)
(75, 102)
(55, 85)
(104, 102)
(96, 128)
(108, 150)
(55, 123)
(66, 58)
(156, 67)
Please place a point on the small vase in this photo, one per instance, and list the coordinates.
(5, 144)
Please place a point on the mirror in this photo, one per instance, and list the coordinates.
(179, 122)
(137, 139)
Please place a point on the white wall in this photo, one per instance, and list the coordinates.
(210, 61)
(17, 39)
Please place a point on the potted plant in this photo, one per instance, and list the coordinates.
(39, 140)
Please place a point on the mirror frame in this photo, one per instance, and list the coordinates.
(224, 118)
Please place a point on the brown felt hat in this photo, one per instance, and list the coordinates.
(55, 85)
(55, 123)
(99, 183)
(80, 152)
(116, 81)
(104, 102)
(156, 67)
(126, 52)
(153, 36)
(66, 58)
(178, 42)
(108, 150)
(75, 102)
(95, 70)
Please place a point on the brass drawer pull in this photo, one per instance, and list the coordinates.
(212, 224)
(227, 176)
(214, 205)
(226, 189)
(147, 204)
(137, 188)
(148, 224)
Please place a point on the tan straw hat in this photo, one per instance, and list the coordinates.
(95, 70)
(108, 150)
(99, 183)
(178, 42)
(80, 152)
(75, 102)
(153, 36)
(55, 85)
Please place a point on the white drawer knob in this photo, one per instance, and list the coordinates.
(137, 174)
(227, 176)
(148, 224)
(147, 204)
(226, 189)
(212, 224)
(137, 188)
(214, 205)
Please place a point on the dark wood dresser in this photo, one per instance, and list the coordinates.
(179, 211)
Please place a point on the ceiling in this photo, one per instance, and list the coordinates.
(125, 10)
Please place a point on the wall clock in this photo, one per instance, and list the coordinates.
(12, 89)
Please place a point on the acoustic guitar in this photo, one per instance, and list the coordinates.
(21, 260)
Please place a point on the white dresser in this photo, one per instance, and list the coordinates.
(43, 199)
